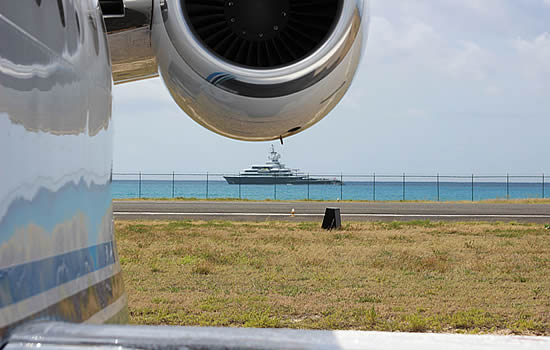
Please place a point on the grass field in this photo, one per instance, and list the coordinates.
(414, 276)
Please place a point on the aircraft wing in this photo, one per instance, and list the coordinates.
(53, 335)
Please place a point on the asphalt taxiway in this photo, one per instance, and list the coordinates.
(314, 211)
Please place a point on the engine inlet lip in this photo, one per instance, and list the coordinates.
(352, 25)
(278, 27)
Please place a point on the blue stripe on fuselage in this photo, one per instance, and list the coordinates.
(23, 281)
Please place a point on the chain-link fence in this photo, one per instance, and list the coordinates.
(375, 187)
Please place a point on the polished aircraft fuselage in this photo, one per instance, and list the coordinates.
(58, 257)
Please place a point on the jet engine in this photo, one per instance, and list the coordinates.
(255, 70)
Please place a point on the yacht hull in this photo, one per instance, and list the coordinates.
(272, 180)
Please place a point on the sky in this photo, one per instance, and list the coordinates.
(447, 86)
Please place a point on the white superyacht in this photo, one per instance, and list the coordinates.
(274, 172)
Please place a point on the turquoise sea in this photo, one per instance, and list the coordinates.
(447, 190)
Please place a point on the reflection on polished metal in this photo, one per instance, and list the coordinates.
(264, 87)
(112, 8)
(256, 103)
(129, 39)
(57, 257)
(51, 335)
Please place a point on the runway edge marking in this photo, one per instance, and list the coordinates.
(350, 215)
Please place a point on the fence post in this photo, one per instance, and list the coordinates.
(472, 187)
(240, 186)
(140, 184)
(308, 186)
(542, 186)
(438, 197)
(341, 186)
(275, 188)
(507, 186)
(207, 185)
(173, 184)
(403, 186)
(374, 187)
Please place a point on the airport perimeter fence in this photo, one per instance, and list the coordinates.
(372, 187)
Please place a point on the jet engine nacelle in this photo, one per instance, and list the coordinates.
(258, 70)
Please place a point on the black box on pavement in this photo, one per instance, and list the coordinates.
(332, 219)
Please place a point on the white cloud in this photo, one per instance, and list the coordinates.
(534, 57)
(417, 113)
(411, 42)
(398, 40)
(493, 90)
(470, 62)
(485, 7)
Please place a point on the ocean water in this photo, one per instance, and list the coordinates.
(350, 190)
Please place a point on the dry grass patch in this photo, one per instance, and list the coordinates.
(402, 276)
